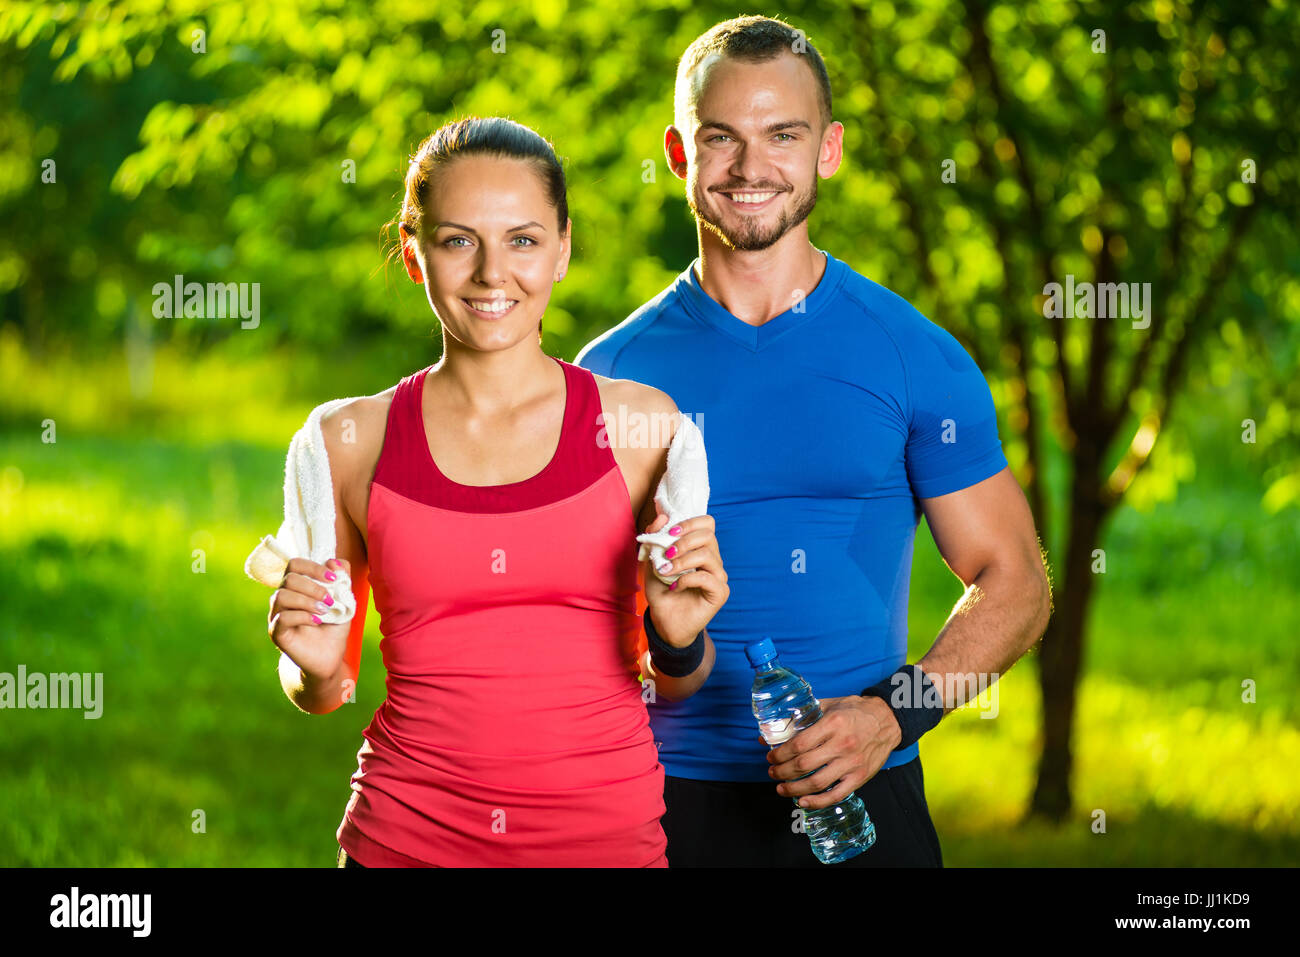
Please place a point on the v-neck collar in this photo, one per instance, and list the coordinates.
(703, 306)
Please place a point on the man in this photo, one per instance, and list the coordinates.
(834, 415)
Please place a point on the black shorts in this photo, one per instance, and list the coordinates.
(743, 824)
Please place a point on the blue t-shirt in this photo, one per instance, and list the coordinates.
(822, 427)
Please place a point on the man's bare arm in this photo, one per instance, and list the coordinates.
(986, 535)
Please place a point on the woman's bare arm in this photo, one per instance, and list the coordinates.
(352, 449)
(661, 408)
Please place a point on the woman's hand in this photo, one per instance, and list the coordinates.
(294, 622)
(681, 611)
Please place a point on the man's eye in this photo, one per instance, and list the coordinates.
(787, 136)
(718, 136)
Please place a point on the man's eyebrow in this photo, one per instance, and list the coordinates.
(770, 128)
(470, 229)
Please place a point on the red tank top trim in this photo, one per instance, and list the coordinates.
(406, 465)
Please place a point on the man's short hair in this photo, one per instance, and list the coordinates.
(753, 40)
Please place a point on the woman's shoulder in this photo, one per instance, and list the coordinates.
(353, 431)
(624, 399)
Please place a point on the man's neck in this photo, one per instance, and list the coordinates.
(760, 285)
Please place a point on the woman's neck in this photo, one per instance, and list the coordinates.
(497, 382)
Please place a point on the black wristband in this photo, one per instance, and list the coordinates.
(671, 661)
(915, 700)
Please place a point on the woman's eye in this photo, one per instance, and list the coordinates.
(455, 240)
(528, 240)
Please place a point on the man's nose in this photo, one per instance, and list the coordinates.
(748, 164)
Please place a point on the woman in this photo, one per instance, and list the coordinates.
(497, 526)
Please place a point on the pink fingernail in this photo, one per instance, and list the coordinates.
(673, 585)
(672, 550)
(330, 576)
(315, 619)
(329, 599)
(674, 530)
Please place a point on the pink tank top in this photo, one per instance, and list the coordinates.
(513, 732)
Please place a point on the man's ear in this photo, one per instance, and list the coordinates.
(409, 258)
(832, 150)
(675, 152)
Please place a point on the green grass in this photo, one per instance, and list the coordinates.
(98, 533)
(1199, 595)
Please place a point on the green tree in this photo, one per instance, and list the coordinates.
(991, 150)
(1135, 144)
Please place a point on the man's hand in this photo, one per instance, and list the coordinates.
(849, 744)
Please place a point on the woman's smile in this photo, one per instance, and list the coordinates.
(490, 308)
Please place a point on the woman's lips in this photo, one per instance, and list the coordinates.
(490, 308)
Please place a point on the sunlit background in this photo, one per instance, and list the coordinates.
(990, 150)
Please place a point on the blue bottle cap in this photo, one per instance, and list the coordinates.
(760, 652)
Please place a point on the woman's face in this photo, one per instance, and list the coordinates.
(491, 251)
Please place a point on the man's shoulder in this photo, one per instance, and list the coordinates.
(882, 304)
(600, 354)
(913, 333)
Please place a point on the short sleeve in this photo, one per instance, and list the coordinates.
(597, 357)
(952, 440)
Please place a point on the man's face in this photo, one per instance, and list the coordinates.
(755, 135)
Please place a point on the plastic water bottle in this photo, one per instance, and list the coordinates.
(784, 705)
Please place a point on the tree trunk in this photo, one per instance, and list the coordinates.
(1061, 655)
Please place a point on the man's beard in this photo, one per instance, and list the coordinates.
(751, 235)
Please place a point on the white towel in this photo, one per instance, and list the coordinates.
(308, 527)
(683, 493)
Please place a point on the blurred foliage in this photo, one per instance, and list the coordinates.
(239, 142)
(217, 141)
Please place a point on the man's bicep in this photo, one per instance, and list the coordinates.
(981, 525)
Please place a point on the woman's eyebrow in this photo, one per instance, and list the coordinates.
(471, 229)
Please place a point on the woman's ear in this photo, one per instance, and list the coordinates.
(566, 249)
(410, 258)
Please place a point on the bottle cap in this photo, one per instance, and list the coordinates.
(760, 652)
